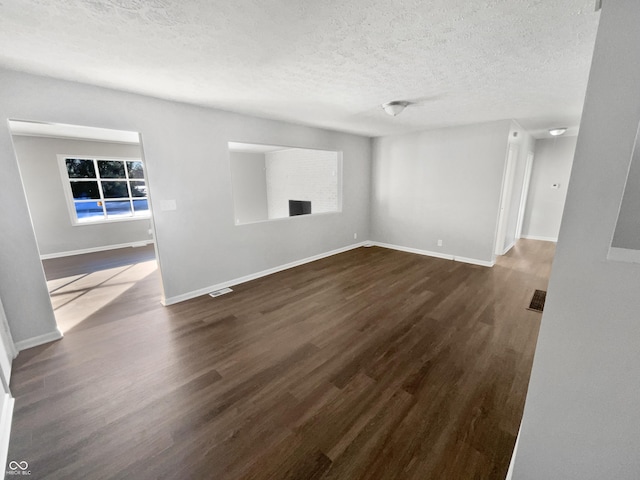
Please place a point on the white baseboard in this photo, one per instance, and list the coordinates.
(544, 239)
(39, 340)
(445, 256)
(236, 281)
(474, 261)
(624, 255)
(509, 247)
(513, 458)
(413, 250)
(6, 417)
(69, 253)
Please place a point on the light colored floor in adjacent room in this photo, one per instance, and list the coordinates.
(83, 284)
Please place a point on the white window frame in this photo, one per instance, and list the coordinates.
(66, 185)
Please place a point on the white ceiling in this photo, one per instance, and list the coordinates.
(325, 63)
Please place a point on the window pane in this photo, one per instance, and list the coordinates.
(115, 189)
(111, 169)
(135, 169)
(141, 206)
(85, 190)
(118, 209)
(87, 211)
(138, 189)
(78, 168)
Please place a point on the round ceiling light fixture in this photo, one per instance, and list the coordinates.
(557, 131)
(395, 108)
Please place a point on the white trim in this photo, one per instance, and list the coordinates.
(528, 169)
(513, 458)
(624, 255)
(505, 196)
(236, 281)
(413, 250)
(278, 219)
(473, 261)
(69, 253)
(134, 218)
(7, 341)
(509, 247)
(544, 239)
(5, 427)
(39, 340)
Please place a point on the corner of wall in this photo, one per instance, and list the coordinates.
(39, 340)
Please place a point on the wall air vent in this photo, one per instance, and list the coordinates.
(222, 291)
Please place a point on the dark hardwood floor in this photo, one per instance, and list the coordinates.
(371, 364)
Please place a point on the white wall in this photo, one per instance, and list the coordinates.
(440, 184)
(249, 186)
(47, 202)
(552, 164)
(7, 353)
(296, 174)
(581, 419)
(187, 160)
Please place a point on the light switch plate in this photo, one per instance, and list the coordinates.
(168, 205)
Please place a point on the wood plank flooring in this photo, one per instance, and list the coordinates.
(371, 364)
(63, 267)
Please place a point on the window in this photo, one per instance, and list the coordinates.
(104, 189)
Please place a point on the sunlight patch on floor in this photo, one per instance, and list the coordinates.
(76, 298)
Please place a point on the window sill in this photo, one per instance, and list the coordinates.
(113, 220)
(280, 219)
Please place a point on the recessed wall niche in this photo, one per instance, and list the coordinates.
(271, 182)
(625, 245)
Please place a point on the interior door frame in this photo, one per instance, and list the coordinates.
(528, 169)
(505, 198)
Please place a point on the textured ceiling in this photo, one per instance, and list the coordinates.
(326, 63)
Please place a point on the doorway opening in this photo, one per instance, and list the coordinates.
(513, 200)
(90, 206)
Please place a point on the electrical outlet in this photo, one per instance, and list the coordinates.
(355, 236)
(439, 243)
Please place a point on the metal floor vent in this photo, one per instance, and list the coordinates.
(222, 291)
(537, 301)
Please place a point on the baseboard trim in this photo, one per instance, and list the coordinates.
(417, 251)
(6, 418)
(247, 278)
(544, 239)
(104, 248)
(624, 255)
(445, 256)
(474, 261)
(513, 458)
(509, 247)
(39, 340)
